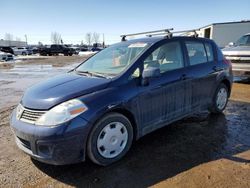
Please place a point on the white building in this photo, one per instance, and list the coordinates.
(12, 43)
(223, 33)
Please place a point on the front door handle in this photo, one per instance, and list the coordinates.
(183, 77)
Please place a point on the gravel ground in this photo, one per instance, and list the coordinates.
(203, 150)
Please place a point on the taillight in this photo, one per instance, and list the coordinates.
(228, 62)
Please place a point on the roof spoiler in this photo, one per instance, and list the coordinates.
(166, 32)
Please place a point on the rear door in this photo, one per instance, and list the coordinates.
(165, 98)
(202, 71)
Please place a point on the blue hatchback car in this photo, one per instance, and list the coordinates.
(118, 95)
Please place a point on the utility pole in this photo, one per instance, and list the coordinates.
(26, 39)
(103, 41)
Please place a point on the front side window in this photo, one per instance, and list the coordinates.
(114, 59)
(196, 52)
(167, 57)
(243, 41)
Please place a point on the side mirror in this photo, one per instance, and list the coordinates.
(150, 72)
(231, 44)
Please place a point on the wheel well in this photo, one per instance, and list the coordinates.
(227, 83)
(131, 118)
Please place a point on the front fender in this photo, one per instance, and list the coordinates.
(113, 99)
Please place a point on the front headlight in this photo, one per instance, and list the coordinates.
(62, 113)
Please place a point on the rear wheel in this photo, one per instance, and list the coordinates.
(220, 99)
(110, 139)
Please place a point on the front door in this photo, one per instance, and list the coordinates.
(164, 99)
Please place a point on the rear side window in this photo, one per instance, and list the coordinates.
(209, 50)
(196, 52)
(220, 56)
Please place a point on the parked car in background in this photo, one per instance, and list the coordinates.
(20, 51)
(96, 49)
(56, 49)
(119, 95)
(239, 54)
(7, 49)
(30, 50)
(6, 56)
(35, 50)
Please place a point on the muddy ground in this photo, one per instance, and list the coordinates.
(203, 150)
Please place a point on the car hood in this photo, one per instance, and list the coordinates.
(51, 92)
(236, 50)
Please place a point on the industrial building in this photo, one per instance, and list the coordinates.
(223, 33)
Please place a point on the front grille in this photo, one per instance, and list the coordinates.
(24, 143)
(31, 116)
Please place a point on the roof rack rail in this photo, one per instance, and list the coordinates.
(189, 31)
(163, 31)
(171, 33)
(166, 32)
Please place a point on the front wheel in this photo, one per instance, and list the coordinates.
(220, 99)
(110, 139)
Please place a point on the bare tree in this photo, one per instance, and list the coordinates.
(89, 38)
(56, 38)
(40, 43)
(96, 37)
(8, 36)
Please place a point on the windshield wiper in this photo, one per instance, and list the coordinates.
(101, 75)
(86, 73)
(95, 74)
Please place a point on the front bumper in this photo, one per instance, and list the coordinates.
(241, 68)
(60, 145)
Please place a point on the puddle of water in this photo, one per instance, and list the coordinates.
(13, 82)
(33, 70)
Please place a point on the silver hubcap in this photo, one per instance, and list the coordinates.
(221, 98)
(112, 140)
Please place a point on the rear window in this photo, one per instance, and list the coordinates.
(196, 52)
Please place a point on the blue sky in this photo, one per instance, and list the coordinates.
(73, 19)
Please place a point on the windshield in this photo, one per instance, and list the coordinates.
(114, 59)
(243, 41)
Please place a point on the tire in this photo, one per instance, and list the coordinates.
(24, 53)
(110, 139)
(219, 104)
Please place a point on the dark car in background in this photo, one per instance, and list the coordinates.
(119, 95)
(7, 49)
(56, 49)
(96, 49)
(239, 54)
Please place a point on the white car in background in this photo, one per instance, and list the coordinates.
(239, 54)
(6, 56)
(20, 51)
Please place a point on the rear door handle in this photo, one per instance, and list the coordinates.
(183, 77)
